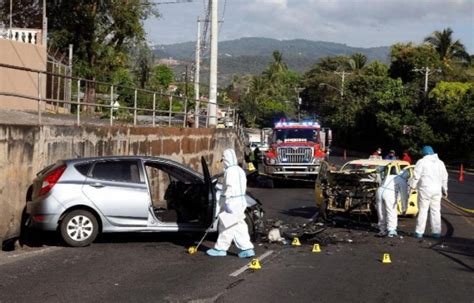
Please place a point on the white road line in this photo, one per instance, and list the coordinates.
(245, 267)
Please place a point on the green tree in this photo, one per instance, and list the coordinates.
(452, 116)
(161, 77)
(376, 69)
(446, 47)
(357, 61)
(102, 32)
(142, 64)
(406, 57)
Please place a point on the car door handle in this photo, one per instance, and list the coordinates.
(97, 185)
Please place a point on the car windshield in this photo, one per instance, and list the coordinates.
(288, 135)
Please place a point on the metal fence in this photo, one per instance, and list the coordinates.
(108, 103)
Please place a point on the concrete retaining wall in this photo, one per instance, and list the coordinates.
(20, 82)
(26, 149)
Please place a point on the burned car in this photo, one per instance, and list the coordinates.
(352, 189)
(81, 198)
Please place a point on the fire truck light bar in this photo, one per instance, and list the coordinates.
(305, 123)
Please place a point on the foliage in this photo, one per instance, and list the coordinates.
(142, 58)
(452, 117)
(406, 57)
(268, 97)
(376, 69)
(357, 61)
(161, 77)
(102, 32)
(446, 48)
(386, 106)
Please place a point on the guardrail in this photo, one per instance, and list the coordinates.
(90, 98)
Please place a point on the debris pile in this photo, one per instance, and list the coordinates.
(277, 231)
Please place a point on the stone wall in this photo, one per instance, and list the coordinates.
(26, 149)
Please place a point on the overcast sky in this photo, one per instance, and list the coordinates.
(362, 23)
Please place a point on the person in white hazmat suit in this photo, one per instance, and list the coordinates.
(393, 188)
(232, 226)
(431, 179)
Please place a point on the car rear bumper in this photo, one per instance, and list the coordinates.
(44, 214)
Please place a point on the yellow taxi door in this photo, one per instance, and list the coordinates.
(318, 190)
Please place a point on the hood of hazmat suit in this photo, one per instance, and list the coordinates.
(235, 183)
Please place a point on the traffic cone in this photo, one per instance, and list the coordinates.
(345, 155)
(386, 259)
(255, 264)
(296, 242)
(316, 248)
(461, 173)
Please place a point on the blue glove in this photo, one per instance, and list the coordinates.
(227, 208)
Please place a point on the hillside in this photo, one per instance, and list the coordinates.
(252, 55)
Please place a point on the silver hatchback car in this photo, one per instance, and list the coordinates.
(81, 198)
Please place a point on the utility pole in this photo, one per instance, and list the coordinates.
(186, 82)
(196, 74)
(213, 66)
(44, 33)
(343, 76)
(11, 19)
(427, 71)
(69, 73)
(298, 91)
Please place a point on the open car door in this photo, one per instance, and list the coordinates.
(411, 209)
(209, 205)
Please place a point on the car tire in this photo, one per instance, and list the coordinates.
(325, 213)
(250, 225)
(79, 228)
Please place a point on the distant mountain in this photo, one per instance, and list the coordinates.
(252, 55)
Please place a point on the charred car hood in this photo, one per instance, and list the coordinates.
(351, 178)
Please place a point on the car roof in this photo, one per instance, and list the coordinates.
(378, 162)
(143, 158)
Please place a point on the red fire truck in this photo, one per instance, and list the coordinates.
(296, 149)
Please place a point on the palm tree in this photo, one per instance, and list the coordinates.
(276, 67)
(446, 47)
(357, 61)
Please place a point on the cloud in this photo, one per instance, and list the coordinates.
(355, 22)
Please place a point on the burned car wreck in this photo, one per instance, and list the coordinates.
(346, 192)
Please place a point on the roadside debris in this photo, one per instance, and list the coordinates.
(276, 231)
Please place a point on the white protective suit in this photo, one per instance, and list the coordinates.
(393, 188)
(431, 180)
(234, 189)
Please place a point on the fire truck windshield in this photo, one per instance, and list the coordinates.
(295, 134)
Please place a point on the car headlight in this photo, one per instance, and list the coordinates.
(271, 161)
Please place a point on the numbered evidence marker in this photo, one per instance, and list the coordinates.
(316, 248)
(296, 242)
(386, 259)
(255, 264)
(192, 250)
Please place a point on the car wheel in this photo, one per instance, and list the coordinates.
(250, 225)
(79, 228)
(324, 212)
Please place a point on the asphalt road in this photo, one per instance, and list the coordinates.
(156, 267)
